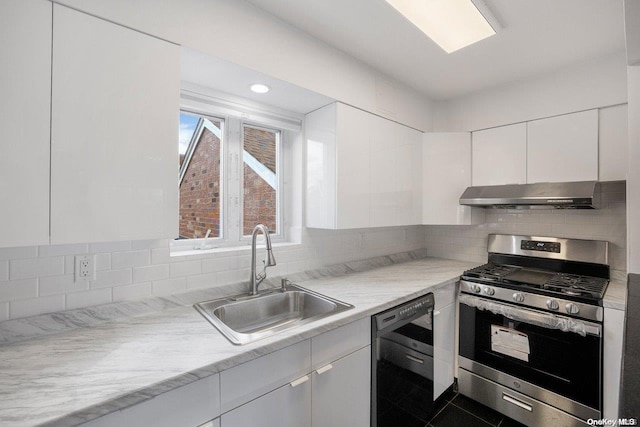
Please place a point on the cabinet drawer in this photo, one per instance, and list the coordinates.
(287, 406)
(245, 382)
(338, 343)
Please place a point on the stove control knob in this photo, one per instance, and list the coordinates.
(552, 304)
(518, 297)
(475, 288)
(488, 291)
(572, 308)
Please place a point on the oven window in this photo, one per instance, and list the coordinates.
(563, 362)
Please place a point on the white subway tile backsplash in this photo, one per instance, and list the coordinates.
(205, 281)
(88, 298)
(61, 285)
(150, 272)
(222, 264)
(33, 306)
(4, 311)
(37, 267)
(130, 259)
(160, 256)
(112, 278)
(186, 268)
(130, 292)
(18, 253)
(103, 262)
(109, 247)
(149, 244)
(4, 270)
(18, 289)
(233, 276)
(169, 286)
(58, 250)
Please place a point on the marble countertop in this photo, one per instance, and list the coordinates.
(64, 376)
(67, 378)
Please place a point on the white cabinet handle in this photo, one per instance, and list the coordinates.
(299, 381)
(324, 369)
(436, 313)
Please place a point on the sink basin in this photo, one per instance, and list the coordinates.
(245, 319)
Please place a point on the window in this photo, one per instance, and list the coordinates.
(229, 180)
(260, 178)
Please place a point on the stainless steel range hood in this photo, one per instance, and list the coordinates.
(547, 195)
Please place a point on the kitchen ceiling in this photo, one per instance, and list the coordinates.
(537, 36)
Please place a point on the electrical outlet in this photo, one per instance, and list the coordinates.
(85, 267)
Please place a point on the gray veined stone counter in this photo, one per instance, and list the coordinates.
(74, 373)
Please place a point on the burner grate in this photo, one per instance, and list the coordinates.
(572, 284)
(491, 271)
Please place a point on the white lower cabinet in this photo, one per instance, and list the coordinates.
(188, 406)
(333, 390)
(341, 393)
(444, 330)
(287, 406)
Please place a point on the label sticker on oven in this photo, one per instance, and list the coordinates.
(510, 342)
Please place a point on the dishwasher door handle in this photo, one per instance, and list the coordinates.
(414, 359)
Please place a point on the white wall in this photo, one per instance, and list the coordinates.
(633, 179)
(469, 243)
(593, 84)
(246, 35)
(39, 279)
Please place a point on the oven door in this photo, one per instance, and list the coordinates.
(534, 347)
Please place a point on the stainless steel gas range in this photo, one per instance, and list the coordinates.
(531, 329)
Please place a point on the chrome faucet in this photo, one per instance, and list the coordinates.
(269, 261)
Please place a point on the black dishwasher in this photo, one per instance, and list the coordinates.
(402, 364)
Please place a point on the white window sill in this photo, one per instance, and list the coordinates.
(177, 251)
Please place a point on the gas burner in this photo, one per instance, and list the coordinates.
(572, 284)
(490, 271)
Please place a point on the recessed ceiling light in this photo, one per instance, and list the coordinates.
(260, 88)
(452, 24)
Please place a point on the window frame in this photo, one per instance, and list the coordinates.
(232, 187)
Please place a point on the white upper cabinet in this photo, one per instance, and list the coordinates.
(614, 143)
(25, 49)
(500, 155)
(446, 173)
(114, 151)
(563, 148)
(395, 191)
(362, 170)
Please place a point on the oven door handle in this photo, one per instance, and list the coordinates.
(538, 318)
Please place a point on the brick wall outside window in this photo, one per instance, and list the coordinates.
(200, 190)
(260, 201)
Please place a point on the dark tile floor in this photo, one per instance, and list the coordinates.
(456, 410)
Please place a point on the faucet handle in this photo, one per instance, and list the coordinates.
(285, 282)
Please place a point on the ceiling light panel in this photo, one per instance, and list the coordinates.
(452, 24)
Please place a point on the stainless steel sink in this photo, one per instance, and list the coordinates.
(244, 319)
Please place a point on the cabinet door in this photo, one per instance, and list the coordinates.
(395, 174)
(444, 320)
(613, 143)
(287, 406)
(500, 155)
(25, 46)
(341, 391)
(353, 171)
(563, 148)
(115, 104)
(446, 173)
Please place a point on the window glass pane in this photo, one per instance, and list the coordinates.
(200, 176)
(260, 192)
